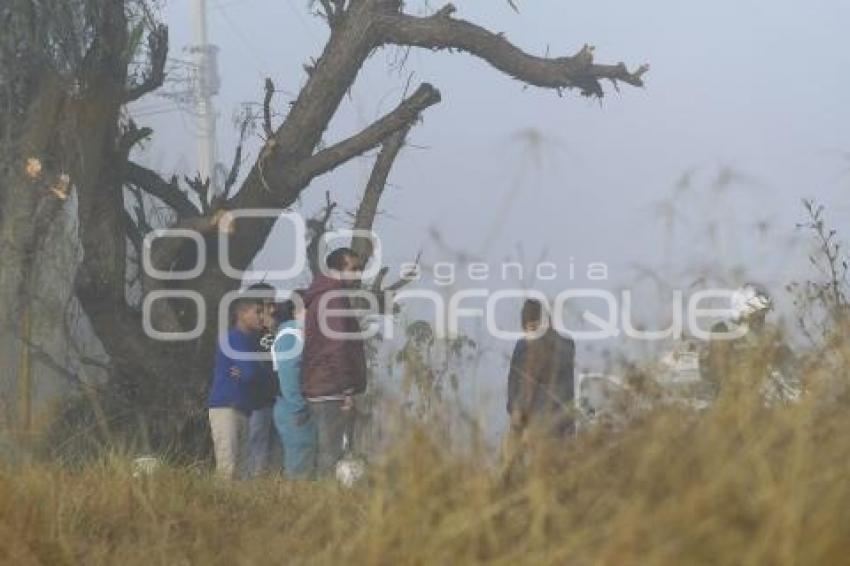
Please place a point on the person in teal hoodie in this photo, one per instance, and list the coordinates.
(292, 417)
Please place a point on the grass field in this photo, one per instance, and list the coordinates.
(737, 484)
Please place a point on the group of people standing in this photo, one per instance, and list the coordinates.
(290, 406)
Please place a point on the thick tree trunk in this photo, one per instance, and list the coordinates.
(27, 208)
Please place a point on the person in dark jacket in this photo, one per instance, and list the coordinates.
(333, 366)
(230, 401)
(263, 441)
(541, 378)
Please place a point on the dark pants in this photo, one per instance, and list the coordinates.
(263, 448)
(333, 424)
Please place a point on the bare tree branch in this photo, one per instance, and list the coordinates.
(406, 278)
(201, 187)
(333, 11)
(237, 158)
(368, 209)
(267, 109)
(316, 228)
(169, 193)
(155, 74)
(365, 217)
(442, 31)
(132, 135)
(384, 295)
(400, 118)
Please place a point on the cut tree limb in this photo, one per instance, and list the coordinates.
(399, 119)
(442, 31)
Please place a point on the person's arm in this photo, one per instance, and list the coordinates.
(566, 372)
(514, 378)
(287, 351)
(244, 371)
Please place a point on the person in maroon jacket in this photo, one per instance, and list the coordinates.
(333, 365)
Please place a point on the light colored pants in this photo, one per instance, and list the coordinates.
(229, 429)
(261, 427)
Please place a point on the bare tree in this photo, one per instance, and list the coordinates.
(81, 98)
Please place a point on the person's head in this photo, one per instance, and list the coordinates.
(344, 261)
(533, 315)
(269, 305)
(247, 314)
(293, 308)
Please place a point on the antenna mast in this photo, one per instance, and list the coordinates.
(207, 83)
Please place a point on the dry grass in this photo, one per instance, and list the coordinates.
(738, 484)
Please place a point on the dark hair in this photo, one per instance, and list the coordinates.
(286, 312)
(261, 287)
(265, 288)
(336, 259)
(532, 312)
(240, 304)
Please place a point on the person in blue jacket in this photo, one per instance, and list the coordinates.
(230, 401)
(292, 417)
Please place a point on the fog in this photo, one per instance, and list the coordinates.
(744, 113)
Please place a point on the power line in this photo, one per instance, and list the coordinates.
(259, 61)
(301, 19)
